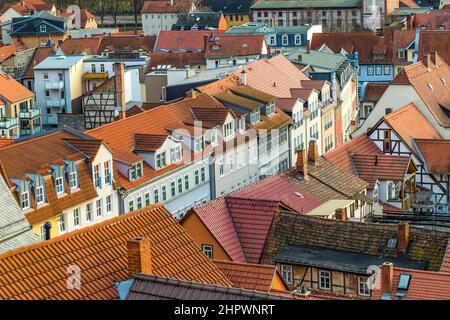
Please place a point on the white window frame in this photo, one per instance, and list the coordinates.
(283, 38)
(326, 275)
(108, 204)
(40, 198)
(73, 180)
(59, 185)
(99, 207)
(89, 216)
(97, 176)
(62, 223)
(287, 274)
(208, 250)
(76, 217)
(42, 28)
(362, 284)
(107, 171)
(25, 200)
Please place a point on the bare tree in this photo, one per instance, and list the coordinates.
(114, 6)
(137, 6)
(99, 7)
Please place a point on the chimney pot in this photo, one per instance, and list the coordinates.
(244, 77)
(139, 256)
(403, 237)
(387, 274)
(299, 57)
(313, 152)
(302, 165)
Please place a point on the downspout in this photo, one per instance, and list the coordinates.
(212, 177)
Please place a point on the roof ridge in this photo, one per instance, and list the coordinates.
(267, 266)
(33, 139)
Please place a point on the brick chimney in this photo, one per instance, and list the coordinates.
(387, 274)
(139, 256)
(244, 77)
(403, 237)
(427, 60)
(341, 214)
(191, 94)
(313, 152)
(119, 85)
(302, 165)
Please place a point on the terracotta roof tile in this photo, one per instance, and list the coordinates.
(401, 119)
(162, 6)
(446, 262)
(286, 104)
(148, 142)
(380, 167)
(248, 276)
(235, 46)
(435, 153)
(435, 41)
(283, 76)
(40, 271)
(430, 84)
(374, 91)
(175, 59)
(9, 50)
(189, 40)
(39, 55)
(13, 90)
(88, 147)
(423, 285)
(360, 145)
(432, 20)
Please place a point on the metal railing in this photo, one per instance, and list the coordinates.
(54, 85)
(7, 123)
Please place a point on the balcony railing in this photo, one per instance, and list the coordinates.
(55, 103)
(97, 75)
(8, 123)
(54, 85)
(51, 119)
(26, 132)
(32, 113)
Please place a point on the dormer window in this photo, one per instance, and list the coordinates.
(25, 200)
(199, 144)
(58, 175)
(175, 154)
(401, 54)
(43, 28)
(285, 40)
(97, 177)
(72, 175)
(270, 108)
(161, 160)
(254, 116)
(135, 171)
(40, 194)
(298, 40)
(228, 129)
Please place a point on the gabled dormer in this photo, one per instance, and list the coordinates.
(158, 150)
(58, 176)
(23, 191)
(38, 189)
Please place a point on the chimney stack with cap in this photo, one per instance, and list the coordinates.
(403, 237)
(313, 152)
(139, 256)
(119, 85)
(387, 274)
(302, 165)
(244, 77)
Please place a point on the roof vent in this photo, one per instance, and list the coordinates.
(444, 82)
(298, 194)
(430, 86)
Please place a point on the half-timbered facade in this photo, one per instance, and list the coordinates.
(395, 134)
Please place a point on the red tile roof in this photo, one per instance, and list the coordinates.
(446, 262)
(401, 119)
(39, 55)
(374, 91)
(428, 83)
(276, 188)
(435, 153)
(189, 40)
(432, 20)
(360, 145)
(39, 271)
(239, 224)
(435, 41)
(148, 142)
(380, 167)
(367, 44)
(175, 59)
(423, 285)
(275, 76)
(12, 90)
(249, 276)
(9, 50)
(235, 46)
(163, 6)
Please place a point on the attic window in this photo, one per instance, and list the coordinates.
(215, 47)
(298, 194)
(403, 281)
(244, 45)
(43, 28)
(391, 244)
(430, 86)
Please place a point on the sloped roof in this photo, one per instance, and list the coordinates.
(248, 276)
(401, 119)
(39, 271)
(424, 245)
(278, 189)
(380, 167)
(148, 142)
(81, 45)
(446, 262)
(9, 50)
(360, 145)
(39, 55)
(199, 19)
(146, 287)
(15, 231)
(175, 59)
(283, 76)
(432, 19)
(374, 91)
(188, 40)
(240, 224)
(423, 285)
(234, 46)
(428, 83)
(162, 6)
(435, 41)
(13, 90)
(435, 153)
